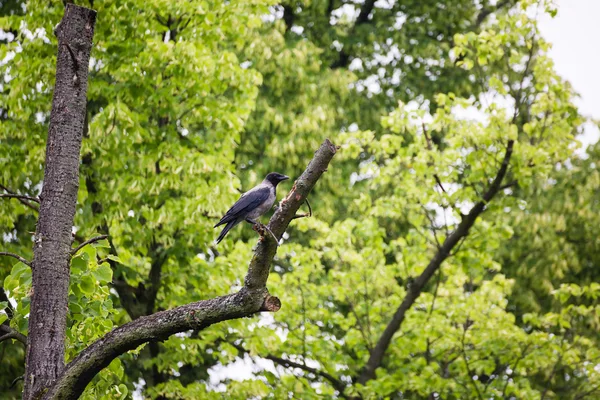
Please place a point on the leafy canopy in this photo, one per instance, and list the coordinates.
(189, 102)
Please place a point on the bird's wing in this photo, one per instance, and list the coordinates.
(248, 202)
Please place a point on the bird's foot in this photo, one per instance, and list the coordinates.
(262, 229)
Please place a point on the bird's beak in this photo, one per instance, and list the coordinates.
(285, 178)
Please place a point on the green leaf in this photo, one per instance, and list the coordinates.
(114, 258)
(79, 264)
(122, 391)
(87, 284)
(103, 273)
(102, 243)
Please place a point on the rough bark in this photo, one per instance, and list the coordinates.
(461, 232)
(251, 299)
(52, 247)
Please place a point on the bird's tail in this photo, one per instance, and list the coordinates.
(229, 225)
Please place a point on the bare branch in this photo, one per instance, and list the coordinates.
(9, 310)
(251, 299)
(20, 196)
(288, 17)
(17, 379)
(432, 225)
(441, 255)
(363, 18)
(361, 328)
(89, 241)
(429, 147)
(309, 214)
(337, 384)
(365, 11)
(22, 199)
(258, 271)
(470, 373)
(514, 368)
(485, 12)
(454, 239)
(18, 257)
(509, 184)
(435, 293)
(11, 333)
(552, 373)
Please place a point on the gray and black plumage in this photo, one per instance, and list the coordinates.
(252, 205)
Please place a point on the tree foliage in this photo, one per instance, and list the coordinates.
(432, 102)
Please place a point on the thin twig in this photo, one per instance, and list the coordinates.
(439, 182)
(507, 185)
(20, 196)
(337, 384)
(309, 207)
(435, 293)
(17, 379)
(549, 380)
(21, 200)
(18, 257)
(521, 357)
(466, 358)
(303, 324)
(368, 312)
(430, 148)
(89, 241)
(585, 394)
(309, 214)
(12, 333)
(361, 329)
(455, 252)
(433, 228)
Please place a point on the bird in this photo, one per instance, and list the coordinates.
(252, 205)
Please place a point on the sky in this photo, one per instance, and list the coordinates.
(574, 34)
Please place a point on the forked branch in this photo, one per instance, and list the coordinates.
(251, 299)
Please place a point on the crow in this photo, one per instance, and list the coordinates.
(252, 205)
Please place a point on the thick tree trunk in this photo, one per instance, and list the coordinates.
(53, 237)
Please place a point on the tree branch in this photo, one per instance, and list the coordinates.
(376, 357)
(20, 196)
(22, 199)
(465, 357)
(89, 241)
(288, 16)
(159, 257)
(9, 308)
(363, 18)
(485, 12)
(481, 17)
(11, 333)
(509, 184)
(365, 11)
(18, 257)
(251, 299)
(514, 368)
(308, 214)
(336, 383)
(258, 270)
